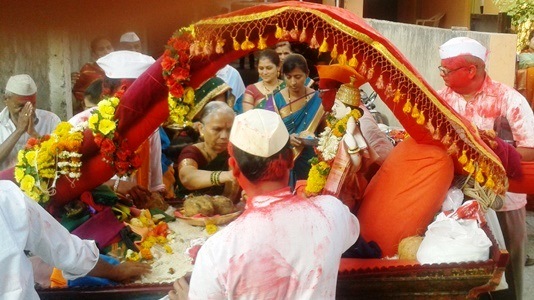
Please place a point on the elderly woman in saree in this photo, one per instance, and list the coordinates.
(203, 166)
(301, 110)
(260, 94)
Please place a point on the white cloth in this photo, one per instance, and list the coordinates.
(24, 225)
(155, 173)
(125, 64)
(461, 46)
(232, 77)
(47, 123)
(82, 116)
(282, 247)
(376, 138)
(259, 132)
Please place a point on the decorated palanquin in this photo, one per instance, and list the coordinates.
(196, 52)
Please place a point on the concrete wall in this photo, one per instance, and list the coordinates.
(420, 46)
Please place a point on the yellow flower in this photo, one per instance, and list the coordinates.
(114, 101)
(132, 256)
(27, 183)
(107, 112)
(20, 156)
(317, 178)
(161, 239)
(19, 173)
(189, 96)
(93, 120)
(172, 102)
(147, 244)
(103, 103)
(30, 157)
(62, 129)
(168, 249)
(106, 126)
(211, 228)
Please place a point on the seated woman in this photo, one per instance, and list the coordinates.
(301, 110)
(203, 167)
(260, 94)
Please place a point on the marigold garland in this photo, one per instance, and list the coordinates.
(175, 65)
(114, 149)
(44, 160)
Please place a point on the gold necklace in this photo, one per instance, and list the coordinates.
(292, 127)
(269, 91)
(298, 98)
(205, 149)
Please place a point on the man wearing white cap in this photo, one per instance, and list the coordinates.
(486, 103)
(283, 246)
(20, 120)
(130, 41)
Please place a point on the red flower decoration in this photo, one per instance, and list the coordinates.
(107, 146)
(123, 154)
(168, 63)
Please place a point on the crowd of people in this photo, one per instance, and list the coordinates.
(250, 143)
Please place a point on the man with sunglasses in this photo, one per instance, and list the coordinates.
(491, 105)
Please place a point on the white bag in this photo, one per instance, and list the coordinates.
(447, 240)
(453, 200)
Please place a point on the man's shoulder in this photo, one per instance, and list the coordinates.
(46, 113)
(327, 200)
(4, 115)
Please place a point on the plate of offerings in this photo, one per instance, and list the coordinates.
(205, 210)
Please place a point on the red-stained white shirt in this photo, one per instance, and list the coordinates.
(46, 124)
(282, 247)
(492, 101)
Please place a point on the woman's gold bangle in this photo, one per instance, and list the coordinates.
(215, 178)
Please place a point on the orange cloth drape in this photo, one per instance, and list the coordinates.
(143, 173)
(57, 280)
(524, 83)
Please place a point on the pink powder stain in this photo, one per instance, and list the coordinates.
(515, 115)
(262, 272)
(193, 252)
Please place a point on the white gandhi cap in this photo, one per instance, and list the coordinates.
(461, 46)
(22, 85)
(259, 132)
(125, 64)
(129, 37)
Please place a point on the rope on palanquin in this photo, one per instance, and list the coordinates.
(349, 40)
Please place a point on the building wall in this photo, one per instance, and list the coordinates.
(50, 50)
(457, 12)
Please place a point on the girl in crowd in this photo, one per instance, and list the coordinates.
(301, 110)
(260, 94)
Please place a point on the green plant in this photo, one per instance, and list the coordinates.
(522, 14)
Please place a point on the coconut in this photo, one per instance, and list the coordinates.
(408, 247)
